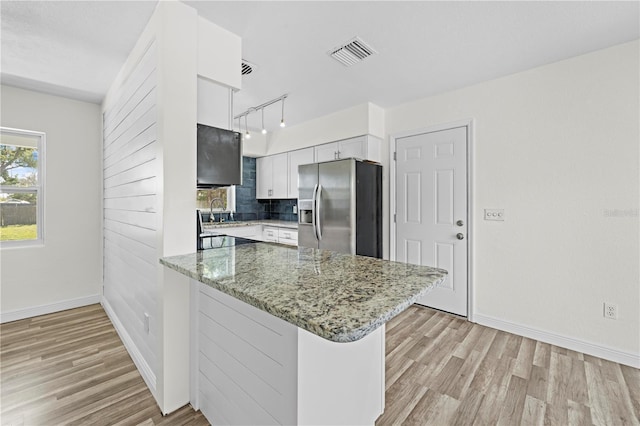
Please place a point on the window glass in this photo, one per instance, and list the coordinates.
(219, 199)
(20, 185)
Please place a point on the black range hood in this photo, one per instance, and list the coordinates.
(219, 157)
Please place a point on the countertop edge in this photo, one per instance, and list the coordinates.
(346, 337)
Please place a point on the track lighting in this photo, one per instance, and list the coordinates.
(260, 108)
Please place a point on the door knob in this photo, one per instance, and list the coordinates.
(460, 223)
(460, 236)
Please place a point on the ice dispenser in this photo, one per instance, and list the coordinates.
(305, 211)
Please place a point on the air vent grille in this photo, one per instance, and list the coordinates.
(352, 52)
(247, 67)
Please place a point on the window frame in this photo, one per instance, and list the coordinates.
(37, 189)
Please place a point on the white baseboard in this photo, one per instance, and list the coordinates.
(626, 358)
(35, 311)
(143, 367)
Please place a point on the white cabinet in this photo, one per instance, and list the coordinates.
(253, 232)
(270, 234)
(288, 236)
(296, 158)
(326, 152)
(363, 147)
(277, 175)
(271, 176)
(280, 235)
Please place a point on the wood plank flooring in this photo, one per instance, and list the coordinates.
(444, 370)
(71, 368)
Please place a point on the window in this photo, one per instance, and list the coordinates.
(224, 199)
(21, 187)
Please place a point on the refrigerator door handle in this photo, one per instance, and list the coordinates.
(314, 209)
(319, 212)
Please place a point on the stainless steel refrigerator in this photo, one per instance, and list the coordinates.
(340, 206)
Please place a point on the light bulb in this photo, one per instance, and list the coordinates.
(264, 131)
(247, 135)
(282, 123)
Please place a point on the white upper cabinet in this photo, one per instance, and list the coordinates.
(296, 158)
(363, 147)
(271, 176)
(326, 152)
(277, 175)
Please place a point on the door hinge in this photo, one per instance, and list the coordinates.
(394, 218)
(395, 155)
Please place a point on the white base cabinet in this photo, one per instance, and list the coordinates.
(249, 367)
(280, 235)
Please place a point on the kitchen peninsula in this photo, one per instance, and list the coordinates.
(284, 335)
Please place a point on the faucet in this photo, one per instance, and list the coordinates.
(213, 218)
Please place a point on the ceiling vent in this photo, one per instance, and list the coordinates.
(248, 67)
(352, 52)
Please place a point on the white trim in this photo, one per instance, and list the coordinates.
(143, 367)
(39, 189)
(600, 351)
(50, 308)
(468, 123)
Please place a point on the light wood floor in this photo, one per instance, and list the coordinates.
(444, 370)
(71, 368)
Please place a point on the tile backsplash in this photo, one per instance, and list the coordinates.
(248, 208)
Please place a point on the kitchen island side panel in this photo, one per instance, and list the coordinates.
(253, 368)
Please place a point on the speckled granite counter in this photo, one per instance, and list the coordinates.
(336, 296)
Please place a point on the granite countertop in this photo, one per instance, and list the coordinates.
(336, 296)
(269, 222)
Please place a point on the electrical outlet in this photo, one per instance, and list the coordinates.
(610, 311)
(146, 322)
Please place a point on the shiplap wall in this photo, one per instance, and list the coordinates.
(131, 222)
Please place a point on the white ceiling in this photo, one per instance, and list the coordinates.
(75, 49)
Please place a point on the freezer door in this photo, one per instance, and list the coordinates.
(307, 181)
(336, 205)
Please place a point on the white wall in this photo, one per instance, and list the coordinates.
(556, 147)
(342, 124)
(67, 270)
(171, 44)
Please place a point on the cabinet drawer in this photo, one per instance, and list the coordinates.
(288, 236)
(270, 234)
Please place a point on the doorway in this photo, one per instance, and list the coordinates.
(430, 205)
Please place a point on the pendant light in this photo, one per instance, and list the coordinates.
(247, 134)
(282, 119)
(264, 131)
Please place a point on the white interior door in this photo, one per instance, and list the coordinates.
(431, 216)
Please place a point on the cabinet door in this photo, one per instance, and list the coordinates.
(326, 152)
(296, 158)
(280, 170)
(264, 173)
(353, 148)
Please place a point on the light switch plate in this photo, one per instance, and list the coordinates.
(494, 214)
